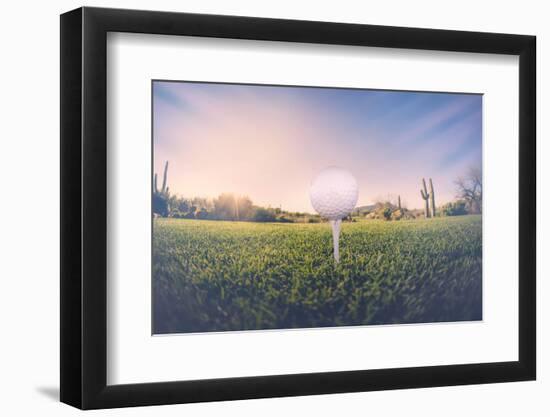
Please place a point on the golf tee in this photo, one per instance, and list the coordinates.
(335, 224)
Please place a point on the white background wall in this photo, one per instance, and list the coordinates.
(29, 207)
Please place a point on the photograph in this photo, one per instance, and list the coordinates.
(299, 207)
(256, 207)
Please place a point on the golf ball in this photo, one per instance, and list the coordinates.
(333, 193)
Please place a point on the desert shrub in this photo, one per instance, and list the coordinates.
(190, 214)
(160, 204)
(263, 215)
(455, 208)
(182, 205)
(176, 214)
(201, 214)
(283, 219)
(386, 212)
(396, 215)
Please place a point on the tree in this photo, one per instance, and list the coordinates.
(456, 208)
(201, 214)
(225, 207)
(263, 215)
(228, 206)
(469, 189)
(245, 210)
(182, 205)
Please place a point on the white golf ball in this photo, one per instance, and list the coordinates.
(333, 193)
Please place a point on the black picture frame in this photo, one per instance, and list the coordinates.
(84, 207)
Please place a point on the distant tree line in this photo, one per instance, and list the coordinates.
(226, 206)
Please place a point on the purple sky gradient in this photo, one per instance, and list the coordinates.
(268, 142)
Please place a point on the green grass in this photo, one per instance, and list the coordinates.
(219, 276)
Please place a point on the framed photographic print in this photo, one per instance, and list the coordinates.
(258, 207)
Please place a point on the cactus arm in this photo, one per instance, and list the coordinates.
(155, 184)
(425, 197)
(432, 195)
(423, 194)
(164, 177)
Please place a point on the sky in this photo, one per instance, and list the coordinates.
(268, 142)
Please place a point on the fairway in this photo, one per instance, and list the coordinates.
(222, 275)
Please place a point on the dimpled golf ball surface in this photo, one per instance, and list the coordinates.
(333, 193)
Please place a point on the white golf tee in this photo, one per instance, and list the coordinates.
(336, 238)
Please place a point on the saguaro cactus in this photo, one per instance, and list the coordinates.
(164, 189)
(399, 202)
(425, 196)
(432, 197)
(160, 197)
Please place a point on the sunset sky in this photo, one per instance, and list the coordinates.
(269, 142)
